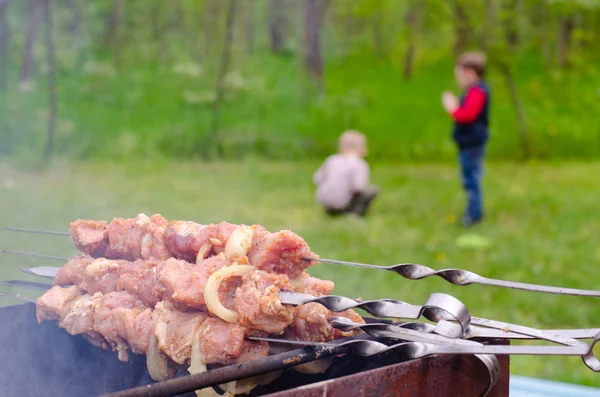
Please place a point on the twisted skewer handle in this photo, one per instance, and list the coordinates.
(461, 277)
(440, 308)
(414, 350)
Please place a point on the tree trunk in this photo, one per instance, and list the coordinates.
(33, 22)
(215, 149)
(114, 29)
(249, 27)
(565, 35)
(75, 26)
(515, 98)
(412, 20)
(277, 25)
(461, 30)
(51, 64)
(3, 46)
(510, 19)
(489, 31)
(313, 20)
(378, 32)
(211, 10)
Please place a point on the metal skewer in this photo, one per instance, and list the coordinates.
(34, 255)
(16, 296)
(473, 331)
(409, 271)
(413, 350)
(229, 373)
(260, 366)
(51, 232)
(43, 271)
(460, 277)
(27, 284)
(440, 308)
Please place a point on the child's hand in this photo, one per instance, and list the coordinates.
(450, 102)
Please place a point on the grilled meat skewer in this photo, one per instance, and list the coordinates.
(154, 237)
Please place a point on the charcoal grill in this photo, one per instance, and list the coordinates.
(42, 359)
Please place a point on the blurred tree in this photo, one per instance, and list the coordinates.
(210, 13)
(499, 41)
(249, 26)
(51, 72)
(314, 11)
(566, 26)
(114, 30)
(33, 22)
(378, 27)
(215, 147)
(461, 27)
(75, 28)
(526, 40)
(412, 21)
(510, 21)
(277, 25)
(3, 45)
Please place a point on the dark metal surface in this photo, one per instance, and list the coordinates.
(41, 359)
(233, 372)
(432, 377)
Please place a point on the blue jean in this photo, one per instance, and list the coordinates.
(471, 165)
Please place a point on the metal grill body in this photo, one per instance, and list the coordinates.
(42, 359)
(448, 376)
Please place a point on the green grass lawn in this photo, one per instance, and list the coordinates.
(543, 221)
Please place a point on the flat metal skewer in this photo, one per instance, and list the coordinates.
(472, 332)
(27, 284)
(21, 230)
(460, 277)
(43, 271)
(58, 258)
(16, 296)
(388, 329)
(411, 271)
(439, 308)
(413, 350)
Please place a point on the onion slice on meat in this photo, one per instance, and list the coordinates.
(269, 377)
(211, 291)
(239, 243)
(158, 366)
(197, 366)
(315, 367)
(297, 282)
(245, 386)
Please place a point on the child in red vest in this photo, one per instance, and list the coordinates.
(470, 113)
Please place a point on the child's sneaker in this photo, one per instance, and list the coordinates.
(354, 217)
(467, 221)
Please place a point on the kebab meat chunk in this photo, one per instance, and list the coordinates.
(186, 294)
(251, 300)
(155, 238)
(119, 321)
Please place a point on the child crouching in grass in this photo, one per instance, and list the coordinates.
(342, 181)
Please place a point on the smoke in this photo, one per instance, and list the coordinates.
(44, 360)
